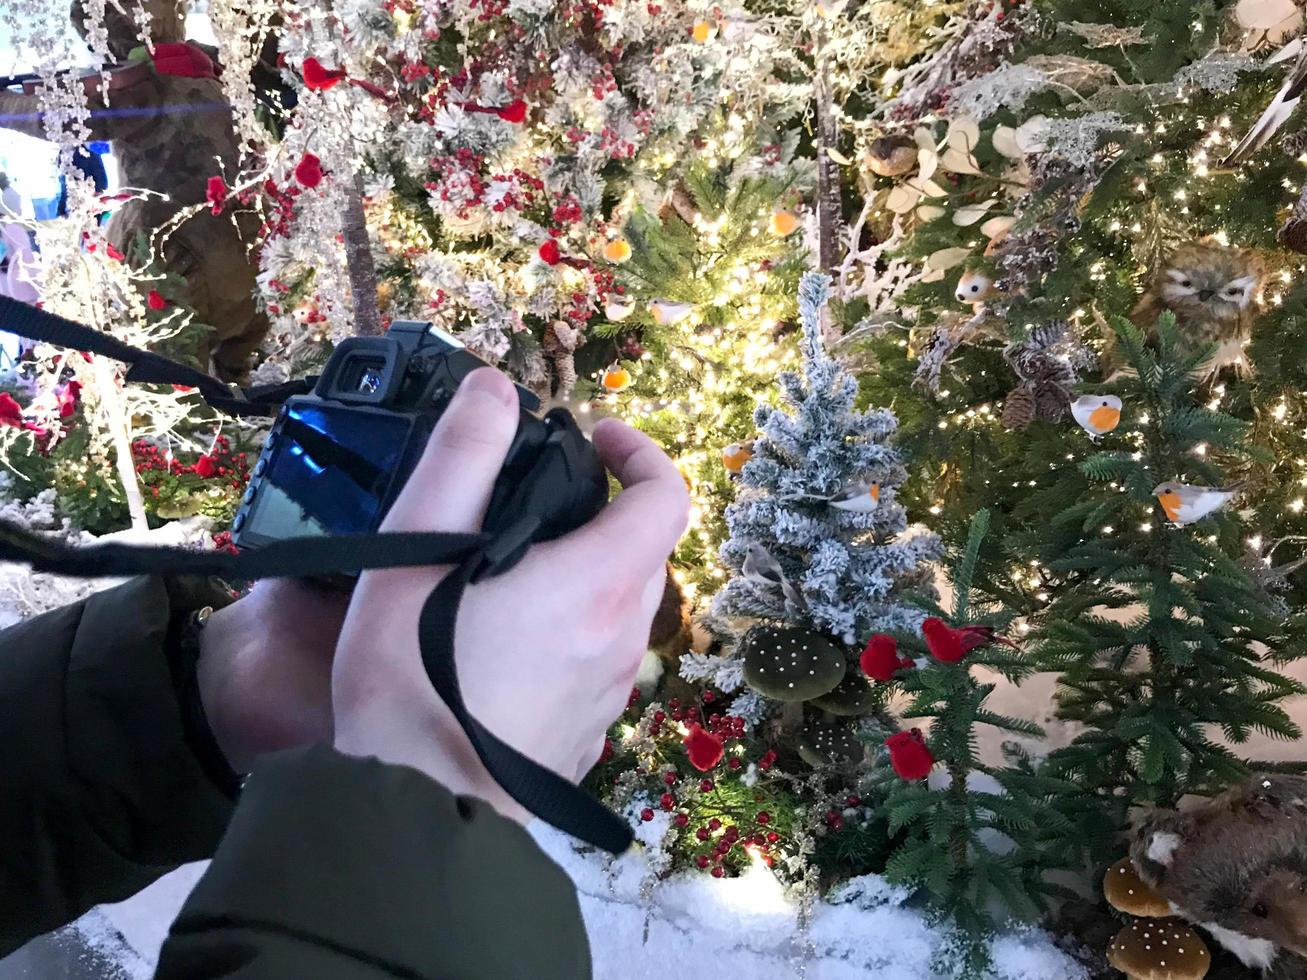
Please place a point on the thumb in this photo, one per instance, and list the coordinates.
(450, 487)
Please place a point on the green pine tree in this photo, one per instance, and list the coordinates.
(1161, 636)
(724, 287)
(978, 847)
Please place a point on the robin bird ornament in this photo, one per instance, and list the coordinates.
(1185, 504)
(1097, 414)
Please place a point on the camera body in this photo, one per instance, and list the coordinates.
(336, 459)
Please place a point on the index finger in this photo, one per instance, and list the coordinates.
(650, 514)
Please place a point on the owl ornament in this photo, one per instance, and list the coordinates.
(1213, 291)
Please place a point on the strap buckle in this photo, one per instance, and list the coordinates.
(505, 549)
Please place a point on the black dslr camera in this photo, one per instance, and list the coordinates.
(336, 460)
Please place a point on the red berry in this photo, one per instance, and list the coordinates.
(669, 778)
(732, 833)
(702, 833)
(772, 837)
(709, 697)
(702, 860)
(705, 785)
(714, 824)
(660, 716)
(667, 801)
(717, 872)
(852, 801)
(681, 819)
(734, 763)
(764, 817)
(646, 814)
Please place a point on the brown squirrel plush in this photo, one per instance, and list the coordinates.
(1236, 865)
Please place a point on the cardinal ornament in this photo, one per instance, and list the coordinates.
(1184, 504)
(949, 645)
(703, 748)
(910, 755)
(1097, 414)
(881, 660)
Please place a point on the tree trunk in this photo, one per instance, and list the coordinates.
(358, 261)
(828, 178)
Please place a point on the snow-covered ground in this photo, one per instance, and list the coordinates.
(743, 926)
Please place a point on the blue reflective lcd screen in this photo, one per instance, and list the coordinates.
(329, 471)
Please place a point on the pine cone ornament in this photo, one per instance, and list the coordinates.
(1050, 403)
(560, 343)
(1294, 144)
(1293, 233)
(1018, 408)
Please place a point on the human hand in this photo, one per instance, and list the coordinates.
(265, 669)
(547, 652)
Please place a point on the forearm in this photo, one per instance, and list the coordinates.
(101, 791)
(351, 869)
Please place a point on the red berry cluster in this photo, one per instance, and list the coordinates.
(567, 211)
(281, 208)
(727, 726)
(222, 542)
(154, 466)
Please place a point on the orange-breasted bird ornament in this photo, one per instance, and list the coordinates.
(1097, 414)
(1184, 504)
(860, 498)
(736, 455)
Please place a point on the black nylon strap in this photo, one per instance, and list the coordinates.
(145, 367)
(540, 790)
(290, 558)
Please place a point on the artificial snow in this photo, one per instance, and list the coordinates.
(640, 928)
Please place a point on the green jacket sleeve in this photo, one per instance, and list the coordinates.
(100, 792)
(341, 868)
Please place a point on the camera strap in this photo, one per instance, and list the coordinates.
(474, 557)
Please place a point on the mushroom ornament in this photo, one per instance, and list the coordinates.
(1159, 946)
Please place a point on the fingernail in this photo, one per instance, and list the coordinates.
(490, 382)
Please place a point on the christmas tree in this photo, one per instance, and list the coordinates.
(699, 330)
(819, 506)
(980, 841)
(1161, 636)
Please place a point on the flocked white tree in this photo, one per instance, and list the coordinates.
(819, 496)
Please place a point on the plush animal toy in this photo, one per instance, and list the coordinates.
(171, 128)
(1236, 866)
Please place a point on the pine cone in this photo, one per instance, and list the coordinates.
(1294, 144)
(560, 341)
(1293, 233)
(1018, 408)
(1050, 403)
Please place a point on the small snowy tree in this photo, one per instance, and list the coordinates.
(820, 497)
